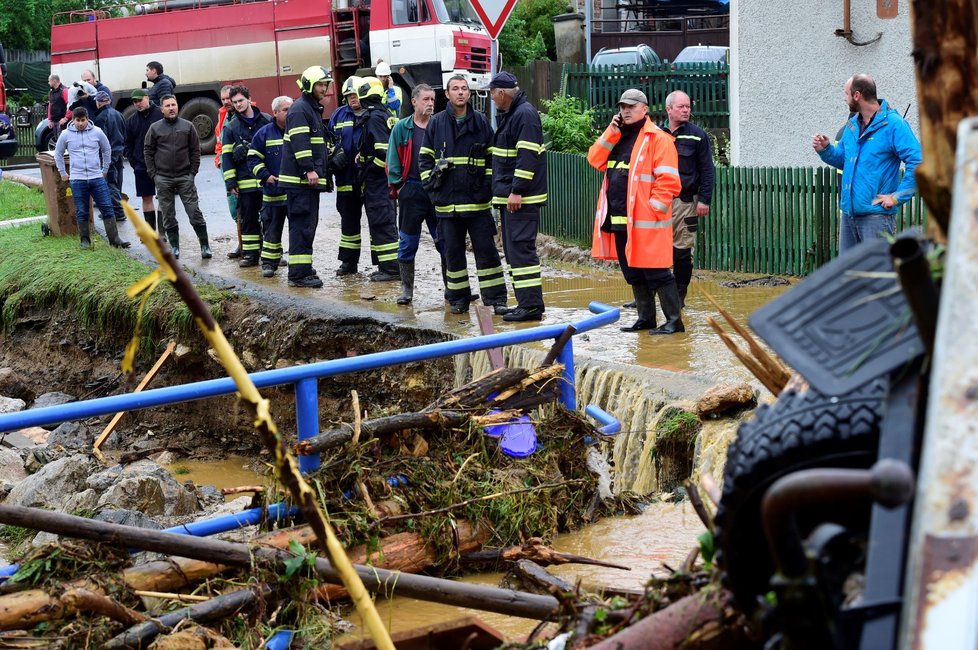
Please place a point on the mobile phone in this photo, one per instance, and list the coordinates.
(619, 120)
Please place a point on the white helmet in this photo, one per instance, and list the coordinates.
(383, 70)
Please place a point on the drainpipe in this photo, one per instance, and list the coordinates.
(588, 17)
(846, 31)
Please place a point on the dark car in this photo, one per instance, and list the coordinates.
(640, 55)
(703, 54)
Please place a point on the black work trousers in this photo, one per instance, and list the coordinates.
(273, 216)
(379, 206)
(654, 278)
(481, 229)
(249, 210)
(303, 220)
(350, 206)
(520, 246)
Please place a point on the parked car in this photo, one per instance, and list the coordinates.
(703, 54)
(641, 55)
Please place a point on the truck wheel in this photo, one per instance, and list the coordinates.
(800, 431)
(202, 113)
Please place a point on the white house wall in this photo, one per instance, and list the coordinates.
(789, 68)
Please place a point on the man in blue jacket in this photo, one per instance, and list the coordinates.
(874, 143)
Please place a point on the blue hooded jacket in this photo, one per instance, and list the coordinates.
(870, 162)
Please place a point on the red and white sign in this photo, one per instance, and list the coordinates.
(493, 14)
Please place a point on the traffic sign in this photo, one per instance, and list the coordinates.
(493, 14)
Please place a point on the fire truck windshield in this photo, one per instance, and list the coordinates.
(455, 11)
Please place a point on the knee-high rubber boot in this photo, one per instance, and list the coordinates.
(669, 299)
(85, 235)
(112, 232)
(150, 217)
(682, 289)
(173, 237)
(205, 247)
(645, 304)
(407, 282)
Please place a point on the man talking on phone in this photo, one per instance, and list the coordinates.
(874, 142)
(633, 220)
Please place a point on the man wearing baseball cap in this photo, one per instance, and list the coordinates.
(519, 189)
(633, 220)
(136, 128)
(110, 121)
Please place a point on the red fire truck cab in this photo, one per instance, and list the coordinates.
(266, 44)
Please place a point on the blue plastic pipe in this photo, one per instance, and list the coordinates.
(281, 640)
(207, 527)
(307, 419)
(610, 424)
(605, 315)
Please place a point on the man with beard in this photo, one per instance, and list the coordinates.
(457, 174)
(404, 176)
(305, 164)
(136, 128)
(172, 153)
(633, 220)
(238, 179)
(878, 140)
(114, 127)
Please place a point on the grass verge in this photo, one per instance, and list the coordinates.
(39, 272)
(18, 201)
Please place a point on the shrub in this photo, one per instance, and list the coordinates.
(567, 124)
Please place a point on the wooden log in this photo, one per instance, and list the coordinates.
(534, 549)
(696, 622)
(539, 376)
(382, 426)
(33, 183)
(475, 393)
(215, 609)
(536, 579)
(377, 580)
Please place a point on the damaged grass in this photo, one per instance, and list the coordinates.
(38, 271)
(18, 201)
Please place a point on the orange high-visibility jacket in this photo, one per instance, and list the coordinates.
(653, 182)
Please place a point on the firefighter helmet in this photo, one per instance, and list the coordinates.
(351, 85)
(371, 87)
(311, 76)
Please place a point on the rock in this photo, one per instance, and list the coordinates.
(53, 484)
(11, 405)
(165, 458)
(723, 398)
(211, 497)
(181, 351)
(15, 440)
(249, 359)
(101, 481)
(84, 501)
(72, 435)
(125, 517)
(37, 435)
(52, 399)
(11, 385)
(149, 488)
(37, 458)
(12, 466)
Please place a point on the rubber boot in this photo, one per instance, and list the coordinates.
(669, 300)
(682, 289)
(85, 235)
(173, 237)
(112, 232)
(150, 217)
(645, 304)
(407, 282)
(205, 248)
(386, 272)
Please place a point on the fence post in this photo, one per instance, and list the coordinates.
(307, 418)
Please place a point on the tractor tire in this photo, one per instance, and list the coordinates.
(202, 113)
(802, 430)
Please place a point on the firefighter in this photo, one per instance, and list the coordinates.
(349, 192)
(633, 220)
(305, 164)
(238, 178)
(265, 162)
(393, 97)
(457, 175)
(404, 175)
(519, 189)
(375, 124)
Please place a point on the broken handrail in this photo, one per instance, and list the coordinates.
(306, 377)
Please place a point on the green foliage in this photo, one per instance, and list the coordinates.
(567, 125)
(302, 559)
(529, 32)
(14, 535)
(707, 549)
(26, 24)
(18, 201)
(679, 425)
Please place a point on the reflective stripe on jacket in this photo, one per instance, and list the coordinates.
(653, 182)
(304, 149)
(237, 134)
(466, 187)
(519, 158)
(265, 159)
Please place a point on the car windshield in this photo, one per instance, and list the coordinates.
(616, 58)
(696, 55)
(455, 11)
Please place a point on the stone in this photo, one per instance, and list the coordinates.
(12, 466)
(150, 489)
(72, 435)
(11, 405)
(724, 398)
(15, 440)
(125, 517)
(37, 458)
(211, 497)
(181, 351)
(37, 435)
(101, 481)
(11, 385)
(84, 501)
(52, 399)
(53, 484)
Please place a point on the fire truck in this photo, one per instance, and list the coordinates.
(266, 44)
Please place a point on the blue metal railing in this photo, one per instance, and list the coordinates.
(305, 378)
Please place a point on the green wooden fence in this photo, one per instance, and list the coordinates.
(600, 86)
(780, 221)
